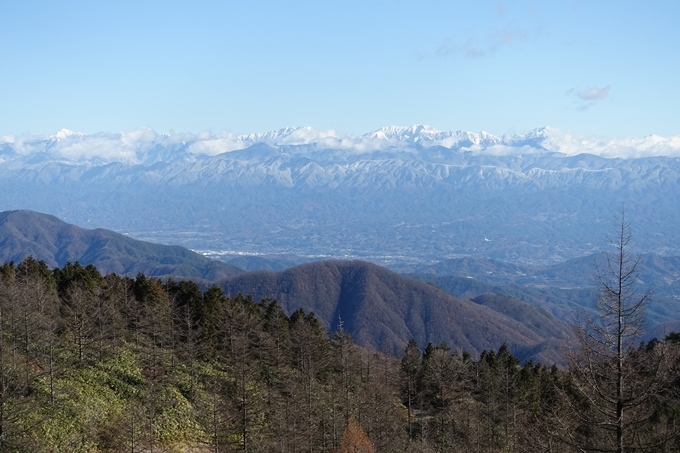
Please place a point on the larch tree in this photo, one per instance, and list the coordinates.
(617, 385)
(354, 440)
(410, 372)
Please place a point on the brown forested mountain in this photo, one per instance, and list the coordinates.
(383, 310)
(538, 320)
(46, 238)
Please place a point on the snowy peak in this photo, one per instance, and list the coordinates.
(419, 133)
(427, 136)
(413, 134)
(280, 134)
(145, 146)
(289, 136)
(64, 134)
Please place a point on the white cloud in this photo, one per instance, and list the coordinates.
(471, 48)
(505, 37)
(7, 139)
(209, 144)
(588, 97)
(212, 146)
(593, 93)
(626, 147)
(20, 144)
(145, 145)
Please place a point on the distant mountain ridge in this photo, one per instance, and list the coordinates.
(145, 146)
(46, 238)
(398, 193)
(663, 272)
(562, 289)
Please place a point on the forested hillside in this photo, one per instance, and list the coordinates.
(92, 363)
(383, 310)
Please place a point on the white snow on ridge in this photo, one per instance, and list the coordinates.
(64, 134)
(414, 133)
(144, 145)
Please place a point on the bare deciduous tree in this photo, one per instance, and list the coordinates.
(617, 384)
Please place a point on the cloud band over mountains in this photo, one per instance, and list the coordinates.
(144, 145)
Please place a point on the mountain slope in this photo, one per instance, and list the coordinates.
(561, 303)
(45, 237)
(561, 289)
(662, 271)
(383, 310)
(536, 319)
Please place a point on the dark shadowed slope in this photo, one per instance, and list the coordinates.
(383, 310)
(536, 319)
(45, 237)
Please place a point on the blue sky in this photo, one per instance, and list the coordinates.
(601, 68)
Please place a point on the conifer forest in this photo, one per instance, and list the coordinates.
(92, 363)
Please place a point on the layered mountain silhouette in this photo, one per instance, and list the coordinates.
(46, 238)
(383, 310)
(560, 288)
(379, 308)
(663, 271)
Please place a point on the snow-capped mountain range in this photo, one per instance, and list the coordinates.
(397, 193)
(143, 146)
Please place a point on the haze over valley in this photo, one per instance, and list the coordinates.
(395, 196)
